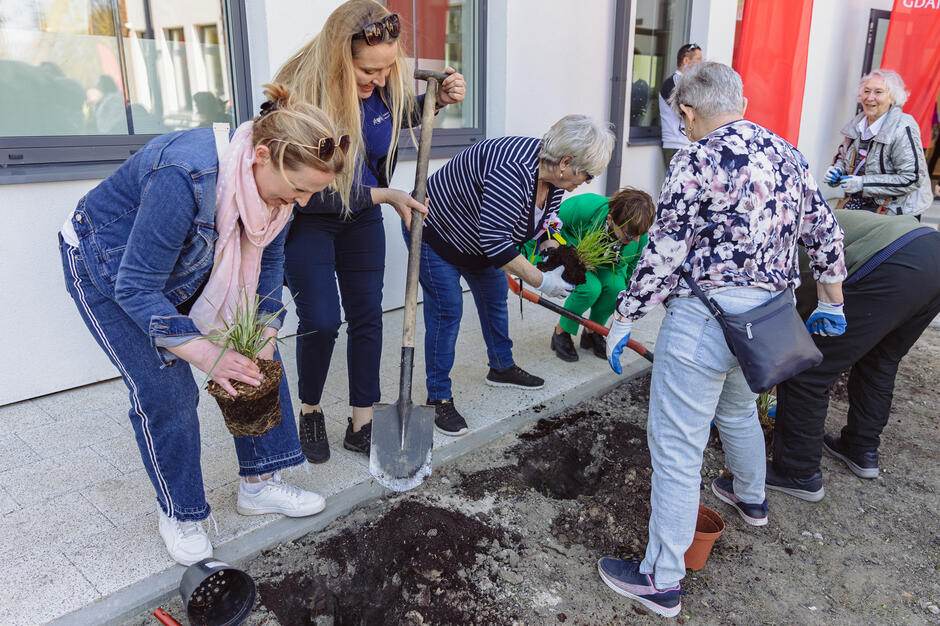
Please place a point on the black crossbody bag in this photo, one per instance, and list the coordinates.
(770, 341)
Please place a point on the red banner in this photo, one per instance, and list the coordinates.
(771, 59)
(912, 49)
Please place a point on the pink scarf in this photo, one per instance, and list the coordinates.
(245, 225)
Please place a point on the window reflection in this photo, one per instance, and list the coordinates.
(662, 27)
(112, 67)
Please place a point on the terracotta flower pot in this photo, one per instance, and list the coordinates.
(255, 410)
(707, 529)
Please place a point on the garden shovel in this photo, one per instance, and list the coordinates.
(403, 433)
(594, 327)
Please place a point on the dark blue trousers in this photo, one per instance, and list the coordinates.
(321, 252)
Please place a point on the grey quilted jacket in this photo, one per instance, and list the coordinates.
(895, 170)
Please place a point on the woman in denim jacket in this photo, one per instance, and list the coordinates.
(175, 228)
(356, 70)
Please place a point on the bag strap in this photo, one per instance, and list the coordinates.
(710, 304)
(221, 130)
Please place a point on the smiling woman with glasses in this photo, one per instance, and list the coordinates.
(356, 70)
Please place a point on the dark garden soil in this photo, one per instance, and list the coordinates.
(575, 272)
(255, 410)
(511, 533)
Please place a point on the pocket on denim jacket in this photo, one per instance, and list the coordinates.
(197, 251)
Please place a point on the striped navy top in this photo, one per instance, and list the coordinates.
(483, 202)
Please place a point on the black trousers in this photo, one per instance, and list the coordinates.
(886, 312)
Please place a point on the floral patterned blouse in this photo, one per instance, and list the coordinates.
(727, 212)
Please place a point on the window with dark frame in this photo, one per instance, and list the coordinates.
(662, 27)
(85, 83)
(441, 33)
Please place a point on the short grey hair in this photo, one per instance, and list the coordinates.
(711, 88)
(587, 141)
(892, 79)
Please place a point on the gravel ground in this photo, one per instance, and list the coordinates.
(511, 534)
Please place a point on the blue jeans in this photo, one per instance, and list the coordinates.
(697, 378)
(163, 404)
(320, 251)
(443, 309)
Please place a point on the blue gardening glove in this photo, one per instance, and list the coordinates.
(827, 320)
(617, 340)
(851, 184)
(553, 285)
(832, 176)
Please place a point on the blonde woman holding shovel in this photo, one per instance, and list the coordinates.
(138, 259)
(356, 70)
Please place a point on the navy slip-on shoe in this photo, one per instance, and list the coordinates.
(864, 465)
(809, 488)
(624, 577)
(753, 514)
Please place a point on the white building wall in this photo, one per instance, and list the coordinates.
(544, 59)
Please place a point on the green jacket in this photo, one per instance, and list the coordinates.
(866, 234)
(582, 213)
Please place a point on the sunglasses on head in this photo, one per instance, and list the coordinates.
(325, 148)
(374, 33)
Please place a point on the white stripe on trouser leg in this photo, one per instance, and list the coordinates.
(137, 407)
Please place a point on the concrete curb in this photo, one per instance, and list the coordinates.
(120, 606)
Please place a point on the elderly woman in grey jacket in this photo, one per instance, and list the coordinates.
(880, 165)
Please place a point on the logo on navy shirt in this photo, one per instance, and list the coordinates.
(378, 119)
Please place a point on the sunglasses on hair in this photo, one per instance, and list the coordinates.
(374, 33)
(325, 148)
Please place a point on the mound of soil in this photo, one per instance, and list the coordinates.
(575, 272)
(601, 463)
(416, 563)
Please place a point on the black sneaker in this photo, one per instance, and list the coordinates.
(864, 465)
(360, 441)
(753, 514)
(447, 420)
(595, 343)
(809, 489)
(513, 376)
(564, 347)
(312, 431)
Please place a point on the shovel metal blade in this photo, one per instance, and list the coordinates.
(402, 438)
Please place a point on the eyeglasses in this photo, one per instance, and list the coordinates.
(325, 148)
(374, 33)
(587, 177)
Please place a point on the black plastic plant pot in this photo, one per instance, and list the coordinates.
(216, 594)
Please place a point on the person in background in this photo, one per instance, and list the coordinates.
(891, 295)
(158, 255)
(357, 71)
(488, 199)
(625, 217)
(673, 136)
(932, 164)
(880, 165)
(737, 242)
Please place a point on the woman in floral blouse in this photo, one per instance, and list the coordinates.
(730, 214)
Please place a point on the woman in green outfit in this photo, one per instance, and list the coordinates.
(626, 216)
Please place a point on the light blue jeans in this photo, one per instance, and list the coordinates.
(696, 378)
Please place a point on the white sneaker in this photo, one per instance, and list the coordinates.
(187, 542)
(278, 497)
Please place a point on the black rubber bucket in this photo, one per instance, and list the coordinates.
(216, 594)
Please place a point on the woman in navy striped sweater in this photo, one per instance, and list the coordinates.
(491, 197)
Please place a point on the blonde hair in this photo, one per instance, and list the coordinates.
(322, 74)
(292, 131)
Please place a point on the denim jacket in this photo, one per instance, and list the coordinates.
(147, 235)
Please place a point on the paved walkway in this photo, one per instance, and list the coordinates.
(78, 532)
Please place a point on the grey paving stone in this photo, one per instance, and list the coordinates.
(122, 452)
(7, 504)
(22, 416)
(14, 451)
(33, 483)
(109, 397)
(53, 525)
(85, 428)
(42, 586)
(123, 498)
(116, 558)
